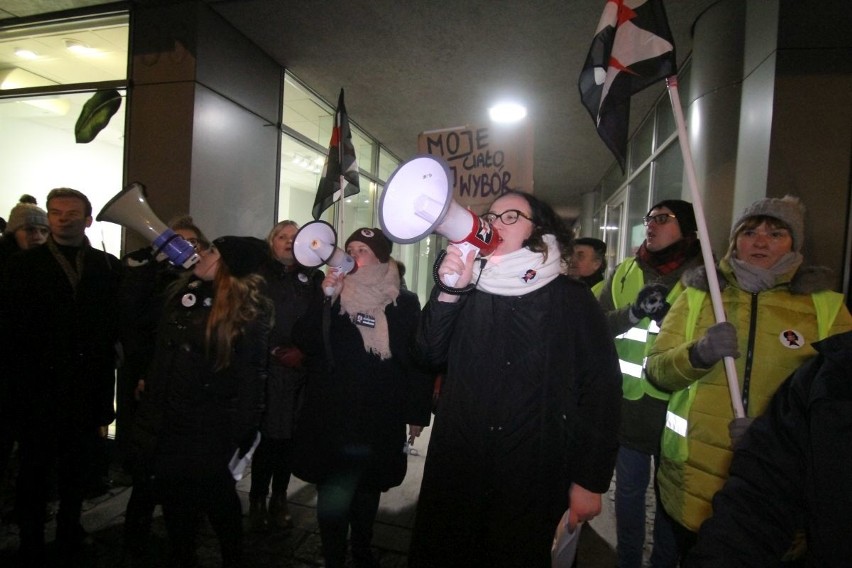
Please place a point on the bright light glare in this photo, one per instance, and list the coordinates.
(26, 53)
(507, 112)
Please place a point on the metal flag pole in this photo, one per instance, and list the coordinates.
(338, 121)
(704, 240)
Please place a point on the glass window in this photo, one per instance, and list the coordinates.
(665, 121)
(668, 174)
(387, 164)
(612, 181)
(306, 113)
(638, 206)
(63, 53)
(301, 168)
(641, 145)
(39, 153)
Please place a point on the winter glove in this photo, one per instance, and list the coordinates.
(737, 427)
(651, 303)
(288, 356)
(246, 443)
(719, 342)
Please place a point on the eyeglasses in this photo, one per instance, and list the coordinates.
(507, 217)
(775, 235)
(660, 219)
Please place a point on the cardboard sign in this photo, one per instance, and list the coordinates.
(485, 162)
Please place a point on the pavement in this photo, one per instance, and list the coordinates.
(299, 547)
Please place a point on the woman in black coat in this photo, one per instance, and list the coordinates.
(363, 388)
(203, 395)
(528, 414)
(292, 288)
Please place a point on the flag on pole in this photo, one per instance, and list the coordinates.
(340, 173)
(632, 48)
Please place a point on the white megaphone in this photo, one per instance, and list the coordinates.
(314, 246)
(130, 209)
(418, 200)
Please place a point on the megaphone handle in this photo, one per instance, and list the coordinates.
(329, 290)
(465, 248)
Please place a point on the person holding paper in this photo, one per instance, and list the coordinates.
(529, 409)
(769, 298)
(203, 395)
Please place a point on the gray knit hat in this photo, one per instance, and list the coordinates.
(23, 215)
(787, 209)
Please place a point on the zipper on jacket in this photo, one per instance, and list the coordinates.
(750, 354)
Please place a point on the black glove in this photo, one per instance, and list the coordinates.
(247, 442)
(651, 303)
(736, 428)
(720, 341)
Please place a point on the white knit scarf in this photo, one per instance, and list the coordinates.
(519, 272)
(366, 292)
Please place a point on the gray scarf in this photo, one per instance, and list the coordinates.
(755, 279)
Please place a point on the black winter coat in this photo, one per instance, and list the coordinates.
(61, 343)
(192, 418)
(291, 290)
(529, 404)
(357, 410)
(793, 469)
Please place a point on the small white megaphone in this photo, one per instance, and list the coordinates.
(314, 245)
(418, 200)
(129, 208)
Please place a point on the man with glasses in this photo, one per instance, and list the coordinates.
(636, 298)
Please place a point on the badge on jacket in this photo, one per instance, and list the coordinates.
(365, 320)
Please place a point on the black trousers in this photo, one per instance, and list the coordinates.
(271, 463)
(341, 504)
(186, 499)
(48, 451)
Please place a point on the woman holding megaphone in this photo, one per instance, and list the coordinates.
(363, 388)
(529, 407)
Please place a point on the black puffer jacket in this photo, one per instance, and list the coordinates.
(192, 418)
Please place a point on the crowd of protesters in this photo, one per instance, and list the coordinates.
(554, 375)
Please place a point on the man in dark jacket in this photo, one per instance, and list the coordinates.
(793, 466)
(60, 303)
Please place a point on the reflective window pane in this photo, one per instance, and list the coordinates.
(63, 53)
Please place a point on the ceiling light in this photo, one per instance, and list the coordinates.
(507, 112)
(24, 53)
(78, 47)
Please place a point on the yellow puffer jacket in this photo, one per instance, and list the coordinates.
(690, 477)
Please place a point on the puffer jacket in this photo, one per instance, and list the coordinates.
(794, 464)
(688, 483)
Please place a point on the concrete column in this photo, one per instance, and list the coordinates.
(204, 105)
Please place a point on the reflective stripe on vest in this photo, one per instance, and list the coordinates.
(634, 344)
(674, 442)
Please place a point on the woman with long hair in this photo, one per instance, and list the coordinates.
(204, 393)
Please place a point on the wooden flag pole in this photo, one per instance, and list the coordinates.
(704, 239)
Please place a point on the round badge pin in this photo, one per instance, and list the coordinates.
(303, 278)
(791, 339)
(188, 300)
